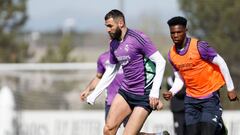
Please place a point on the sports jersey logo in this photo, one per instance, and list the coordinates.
(126, 48)
(123, 60)
(185, 66)
(215, 119)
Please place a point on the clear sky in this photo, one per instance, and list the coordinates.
(89, 14)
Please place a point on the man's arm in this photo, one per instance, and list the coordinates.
(219, 61)
(160, 62)
(176, 87)
(91, 86)
(209, 54)
(158, 59)
(181, 94)
(107, 78)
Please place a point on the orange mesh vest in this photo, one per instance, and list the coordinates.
(201, 77)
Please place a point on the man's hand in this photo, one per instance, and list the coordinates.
(84, 95)
(153, 102)
(232, 95)
(167, 95)
(160, 105)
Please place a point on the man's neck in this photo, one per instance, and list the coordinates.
(182, 46)
(124, 31)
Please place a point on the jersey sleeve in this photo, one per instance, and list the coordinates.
(147, 47)
(206, 52)
(100, 65)
(112, 57)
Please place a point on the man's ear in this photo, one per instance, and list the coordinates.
(121, 23)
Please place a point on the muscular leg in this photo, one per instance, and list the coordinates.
(136, 121)
(118, 111)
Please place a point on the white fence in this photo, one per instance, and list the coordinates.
(47, 66)
(47, 86)
(91, 122)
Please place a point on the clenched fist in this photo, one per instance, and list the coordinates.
(167, 95)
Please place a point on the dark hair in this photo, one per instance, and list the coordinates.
(178, 20)
(115, 14)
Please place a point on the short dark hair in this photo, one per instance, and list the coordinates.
(178, 20)
(115, 14)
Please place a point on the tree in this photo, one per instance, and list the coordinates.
(217, 23)
(60, 53)
(12, 17)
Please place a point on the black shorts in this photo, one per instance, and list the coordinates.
(134, 100)
(203, 110)
(107, 108)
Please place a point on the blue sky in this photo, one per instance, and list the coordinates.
(88, 14)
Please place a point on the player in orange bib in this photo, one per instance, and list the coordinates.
(204, 72)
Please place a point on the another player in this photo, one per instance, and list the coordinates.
(135, 97)
(204, 72)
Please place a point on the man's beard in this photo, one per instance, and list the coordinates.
(116, 35)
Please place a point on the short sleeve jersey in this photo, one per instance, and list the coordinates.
(112, 89)
(130, 53)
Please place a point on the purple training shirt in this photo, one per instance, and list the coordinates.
(113, 88)
(130, 54)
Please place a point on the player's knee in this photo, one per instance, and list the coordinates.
(108, 129)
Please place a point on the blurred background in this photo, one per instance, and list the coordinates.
(49, 49)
